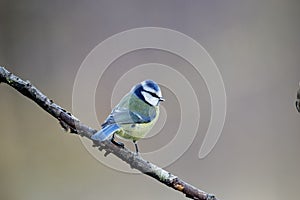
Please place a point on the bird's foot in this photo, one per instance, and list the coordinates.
(119, 144)
(136, 148)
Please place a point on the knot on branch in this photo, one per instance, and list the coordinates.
(210, 197)
(66, 122)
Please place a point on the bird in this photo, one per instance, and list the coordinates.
(134, 116)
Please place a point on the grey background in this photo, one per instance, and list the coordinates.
(255, 45)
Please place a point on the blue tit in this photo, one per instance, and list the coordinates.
(134, 116)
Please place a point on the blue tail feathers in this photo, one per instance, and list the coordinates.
(105, 132)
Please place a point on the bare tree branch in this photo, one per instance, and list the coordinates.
(71, 123)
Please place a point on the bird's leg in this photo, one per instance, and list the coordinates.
(136, 147)
(120, 144)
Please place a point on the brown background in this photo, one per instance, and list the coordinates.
(256, 47)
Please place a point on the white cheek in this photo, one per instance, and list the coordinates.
(150, 99)
(159, 93)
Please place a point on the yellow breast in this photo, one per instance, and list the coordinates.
(137, 131)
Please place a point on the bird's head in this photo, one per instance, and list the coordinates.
(149, 92)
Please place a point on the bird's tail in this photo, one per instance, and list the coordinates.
(105, 132)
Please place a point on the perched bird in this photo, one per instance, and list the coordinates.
(134, 116)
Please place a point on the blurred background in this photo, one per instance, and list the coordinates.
(256, 46)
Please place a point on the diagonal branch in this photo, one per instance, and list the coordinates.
(71, 123)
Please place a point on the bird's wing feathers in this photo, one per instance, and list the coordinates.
(117, 117)
(124, 116)
(105, 132)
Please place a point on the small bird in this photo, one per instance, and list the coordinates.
(134, 116)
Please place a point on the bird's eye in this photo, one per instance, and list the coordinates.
(154, 94)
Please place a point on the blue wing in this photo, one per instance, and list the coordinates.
(121, 115)
(105, 132)
(111, 124)
(127, 117)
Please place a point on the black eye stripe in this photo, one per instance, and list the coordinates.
(152, 94)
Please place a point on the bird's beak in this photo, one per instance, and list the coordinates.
(161, 99)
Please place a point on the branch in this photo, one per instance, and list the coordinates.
(71, 123)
